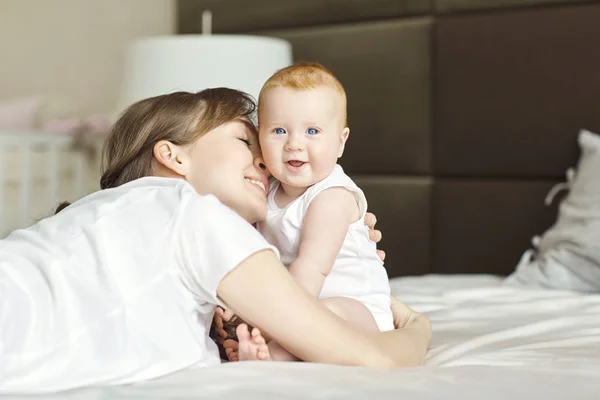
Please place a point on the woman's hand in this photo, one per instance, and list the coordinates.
(405, 317)
(374, 234)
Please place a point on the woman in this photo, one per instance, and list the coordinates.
(122, 285)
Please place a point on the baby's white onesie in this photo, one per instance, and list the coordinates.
(357, 272)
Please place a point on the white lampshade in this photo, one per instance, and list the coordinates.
(160, 65)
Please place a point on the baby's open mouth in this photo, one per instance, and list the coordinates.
(296, 163)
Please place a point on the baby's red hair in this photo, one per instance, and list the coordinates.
(304, 76)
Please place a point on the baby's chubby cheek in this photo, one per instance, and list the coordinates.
(271, 162)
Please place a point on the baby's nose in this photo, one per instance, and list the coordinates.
(294, 144)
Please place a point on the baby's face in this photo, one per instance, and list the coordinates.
(301, 133)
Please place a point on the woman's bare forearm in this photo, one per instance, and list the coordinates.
(262, 292)
(406, 346)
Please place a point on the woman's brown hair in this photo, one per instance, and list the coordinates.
(179, 117)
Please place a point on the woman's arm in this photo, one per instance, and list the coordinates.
(224, 316)
(406, 319)
(262, 292)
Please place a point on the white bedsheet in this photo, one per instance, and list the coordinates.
(490, 342)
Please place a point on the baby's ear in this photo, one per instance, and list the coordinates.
(343, 138)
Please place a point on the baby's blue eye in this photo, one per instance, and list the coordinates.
(312, 131)
(280, 131)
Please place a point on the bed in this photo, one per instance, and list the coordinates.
(491, 341)
(464, 114)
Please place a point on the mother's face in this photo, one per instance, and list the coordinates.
(227, 162)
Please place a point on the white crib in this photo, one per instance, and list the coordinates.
(39, 170)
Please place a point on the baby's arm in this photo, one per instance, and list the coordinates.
(324, 228)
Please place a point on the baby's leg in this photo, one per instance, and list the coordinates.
(348, 309)
(352, 311)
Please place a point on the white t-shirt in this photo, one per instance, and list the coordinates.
(119, 287)
(357, 271)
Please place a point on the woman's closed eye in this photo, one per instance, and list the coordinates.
(245, 141)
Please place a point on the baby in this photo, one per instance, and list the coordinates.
(315, 211)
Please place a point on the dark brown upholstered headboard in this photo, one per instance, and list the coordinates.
(463, 113)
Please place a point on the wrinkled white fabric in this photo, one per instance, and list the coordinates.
(490, 342)
(119, 287)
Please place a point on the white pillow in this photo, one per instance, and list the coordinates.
(567, 256)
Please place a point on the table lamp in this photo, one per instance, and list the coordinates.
(164, 64)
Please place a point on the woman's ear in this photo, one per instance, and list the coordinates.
(172, 157)
(343, 138)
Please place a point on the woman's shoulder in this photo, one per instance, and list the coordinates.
(149, 196)
(154, 183)
(147, 201)
(151, 189)
(207, 207)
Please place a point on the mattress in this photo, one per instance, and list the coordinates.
(490, 341)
